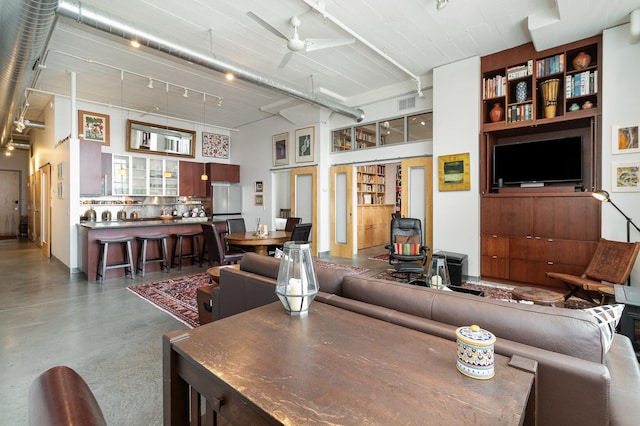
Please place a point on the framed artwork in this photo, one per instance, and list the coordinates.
(625, 138)
(259, 200)
(259, 186)
(60, 168)
(215, 145)
(93, 127)
(625, 176)
(454, 173)
(280, 149)
(304, 145)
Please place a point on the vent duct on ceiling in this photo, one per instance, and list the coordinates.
(406, 103)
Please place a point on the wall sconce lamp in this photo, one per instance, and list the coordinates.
(603, 196)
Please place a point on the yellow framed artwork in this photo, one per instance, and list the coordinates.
(454, 173)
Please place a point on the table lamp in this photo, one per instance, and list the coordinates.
(297, 283)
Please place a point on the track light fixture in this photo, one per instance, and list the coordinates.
(186, 93)
(219, 102)
(20, 126)
(150, 85)
(440, 4)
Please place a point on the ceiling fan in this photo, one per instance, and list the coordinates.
(295, 43)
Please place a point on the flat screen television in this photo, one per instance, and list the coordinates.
(542, 161)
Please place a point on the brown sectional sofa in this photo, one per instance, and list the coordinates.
(578, 382)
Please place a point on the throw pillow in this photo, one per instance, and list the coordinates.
(607, 317)
(407, 249)
(407, 239)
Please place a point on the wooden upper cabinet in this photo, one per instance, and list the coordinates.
(190, 182)
(221, 172)
(90, 175)
(507, 217)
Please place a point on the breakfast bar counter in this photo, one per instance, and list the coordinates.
(90, 232)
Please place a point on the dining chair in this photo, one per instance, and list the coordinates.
(291, 221)
(236, 225)
(218, 251)
(301, 232)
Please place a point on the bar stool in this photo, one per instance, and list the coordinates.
(163, 253)
(127, 263)
(195, 248)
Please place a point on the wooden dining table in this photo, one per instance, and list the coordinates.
(259, 242)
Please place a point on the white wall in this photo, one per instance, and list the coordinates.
(620, 94)
(456, 126)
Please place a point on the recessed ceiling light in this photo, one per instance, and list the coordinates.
(135, 43)
(229, 76)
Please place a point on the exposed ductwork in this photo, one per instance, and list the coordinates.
(26, 26)
(115, 26)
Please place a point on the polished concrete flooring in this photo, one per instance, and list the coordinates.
(110, 336)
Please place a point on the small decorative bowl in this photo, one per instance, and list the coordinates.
(166, 217)
(475, 352)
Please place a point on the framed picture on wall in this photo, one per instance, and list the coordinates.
(215, 145)
(454, 173)
(625, 176)
(305, 144)
(625, 138)
(93, 127)
(259, 186)
(280, 149)
(259, 200)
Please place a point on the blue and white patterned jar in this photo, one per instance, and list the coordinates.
(521, 91)
(475, 352)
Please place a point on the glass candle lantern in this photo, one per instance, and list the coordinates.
(297, 284)
(438, 275)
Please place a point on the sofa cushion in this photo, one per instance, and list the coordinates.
(541, 326)
(261, 265)
(607, 317)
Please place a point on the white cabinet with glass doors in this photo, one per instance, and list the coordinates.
(144, 176)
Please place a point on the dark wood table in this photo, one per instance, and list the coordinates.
(260, 243)
(332, 367)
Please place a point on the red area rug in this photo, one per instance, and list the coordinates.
(384, 257)
(177, 296)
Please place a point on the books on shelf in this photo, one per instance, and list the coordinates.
(522, 112)
(518, 71)
(494, 87)
(581, 84)
(550, 65)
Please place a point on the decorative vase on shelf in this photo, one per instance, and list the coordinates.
(497, 113)
(521, 91)
(581, 61)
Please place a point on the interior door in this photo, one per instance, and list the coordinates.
(417, 193)
(341, 207)
(45, 211)
(9, 203)
(37, 207)
(304, 196)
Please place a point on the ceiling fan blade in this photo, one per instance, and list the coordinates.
(312, 44)
(266, 25)
(285, 59)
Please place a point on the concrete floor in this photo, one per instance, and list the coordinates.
(110, 336)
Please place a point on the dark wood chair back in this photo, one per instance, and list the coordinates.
(291, 221)
(216, 247)
(301, 232)
(236, 225)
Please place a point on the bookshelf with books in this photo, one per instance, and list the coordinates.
(371, 184)
(531, 88)
(341, 140)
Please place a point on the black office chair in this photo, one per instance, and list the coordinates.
(407, 253)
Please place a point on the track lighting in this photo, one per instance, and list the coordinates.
(229, 76)
(150, 85)
(20, 126)
(219, 102)
(135, 43)
(186, 93)
(440, 4)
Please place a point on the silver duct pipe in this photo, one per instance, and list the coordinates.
(26, 25)
(115, 26)
(30, 124)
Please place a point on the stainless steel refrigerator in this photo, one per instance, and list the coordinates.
(226, 200)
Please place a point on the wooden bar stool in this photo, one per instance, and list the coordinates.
(163, 253)
(104, 265)
(195, 248)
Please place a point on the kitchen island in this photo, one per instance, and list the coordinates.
(90, 232)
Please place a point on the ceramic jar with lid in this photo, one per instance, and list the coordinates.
(475, 352)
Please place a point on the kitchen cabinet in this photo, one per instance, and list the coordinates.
(222, 172)
(191, 183)
(133, 175)
(90, 175)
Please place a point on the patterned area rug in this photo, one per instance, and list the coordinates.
(384, 257)
(177, 296)
(502, 292)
